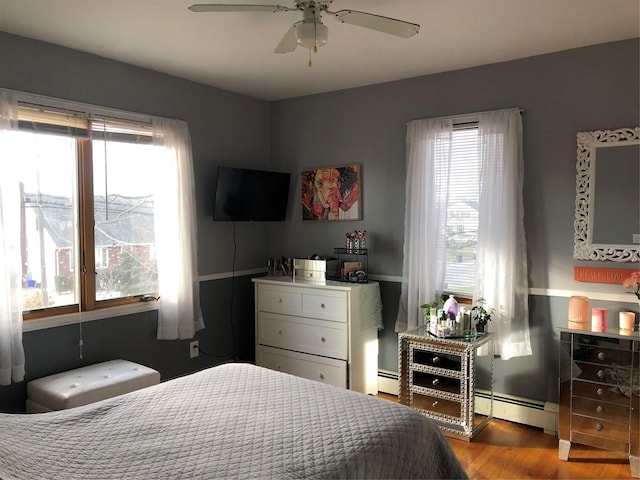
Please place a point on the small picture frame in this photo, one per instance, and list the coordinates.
(331, 193)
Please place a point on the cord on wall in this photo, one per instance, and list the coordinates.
(80, 340)
(233, 354)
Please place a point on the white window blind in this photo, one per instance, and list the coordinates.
(462, 210)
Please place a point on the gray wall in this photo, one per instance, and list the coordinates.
(585, 89)
(226, 129)
(562, 93)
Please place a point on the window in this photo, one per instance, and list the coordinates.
(464, 221)
(462, 210)
(87, 188)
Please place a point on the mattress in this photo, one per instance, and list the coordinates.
(229, 421)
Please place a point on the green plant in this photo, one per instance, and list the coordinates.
(63, 283)
(482, 315)
(437, 302)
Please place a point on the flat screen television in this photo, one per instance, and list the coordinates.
(244, 195)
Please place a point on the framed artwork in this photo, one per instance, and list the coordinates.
(331, 193)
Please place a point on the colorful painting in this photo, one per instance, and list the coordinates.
(331, 193)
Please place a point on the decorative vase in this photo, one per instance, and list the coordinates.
(451, 307)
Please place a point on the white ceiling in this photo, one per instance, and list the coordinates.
(234, 51)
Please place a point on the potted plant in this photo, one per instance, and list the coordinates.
(431, 309)
(481, 315)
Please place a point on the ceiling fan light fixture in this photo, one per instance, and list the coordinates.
(311, 35)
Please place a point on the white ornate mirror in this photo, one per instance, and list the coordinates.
(607, 224)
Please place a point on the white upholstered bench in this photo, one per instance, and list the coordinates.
(88, 384)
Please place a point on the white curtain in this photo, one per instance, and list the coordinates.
(501, 256)
(501, 263)
(428, 155)
(179, 313)
(12, 359)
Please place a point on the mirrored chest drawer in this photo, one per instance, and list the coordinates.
(438, 377)
(599, 393)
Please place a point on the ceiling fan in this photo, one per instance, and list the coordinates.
(310, 32)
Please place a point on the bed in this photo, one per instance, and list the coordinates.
(230, 421)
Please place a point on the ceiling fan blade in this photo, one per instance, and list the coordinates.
(392, 26)
(227, 7)
(289, 42)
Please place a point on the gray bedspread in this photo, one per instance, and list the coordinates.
(230, 421)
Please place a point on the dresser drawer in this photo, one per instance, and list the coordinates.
(600, 442)
(325, 305)
(598, 373)
(440, 406)
(438, 360)
(325, 370)
(602, 410)
(598, 391)
(318, 337)
(279, 300)
(600, 428)
(437, 382)
(599, 355)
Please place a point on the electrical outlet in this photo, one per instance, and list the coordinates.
(194, 351)
(636, 238)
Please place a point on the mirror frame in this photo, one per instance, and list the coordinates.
(584, 248)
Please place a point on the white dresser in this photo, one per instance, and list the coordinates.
(327, 333)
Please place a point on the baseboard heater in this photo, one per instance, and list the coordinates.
(535, 413)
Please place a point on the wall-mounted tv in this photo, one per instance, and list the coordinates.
(244, 195)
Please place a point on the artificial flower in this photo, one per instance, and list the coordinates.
(633, 282)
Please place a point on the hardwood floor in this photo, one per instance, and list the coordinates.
(509, 451)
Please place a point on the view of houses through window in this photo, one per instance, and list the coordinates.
(87, 215)
(462, 211)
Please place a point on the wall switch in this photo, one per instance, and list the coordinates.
(636, 238)
(194, 351)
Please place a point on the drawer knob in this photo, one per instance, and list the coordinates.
(435, 404)
(599, 409)
(278, 367)
(601, 356)
(435, 360)
(279, 300)
(321, 376)
(600, 374)
(600, 392)
(599, 427)
(435, 382)
(322, 339)
(279, 332)
(322, 305)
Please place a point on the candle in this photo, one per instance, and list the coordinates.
(627, 321)
(579, 313)
(599, 319)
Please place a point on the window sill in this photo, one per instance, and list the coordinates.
(73, 318)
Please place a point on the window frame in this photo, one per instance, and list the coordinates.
(45, 111)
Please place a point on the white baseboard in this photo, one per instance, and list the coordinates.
(535, 413)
